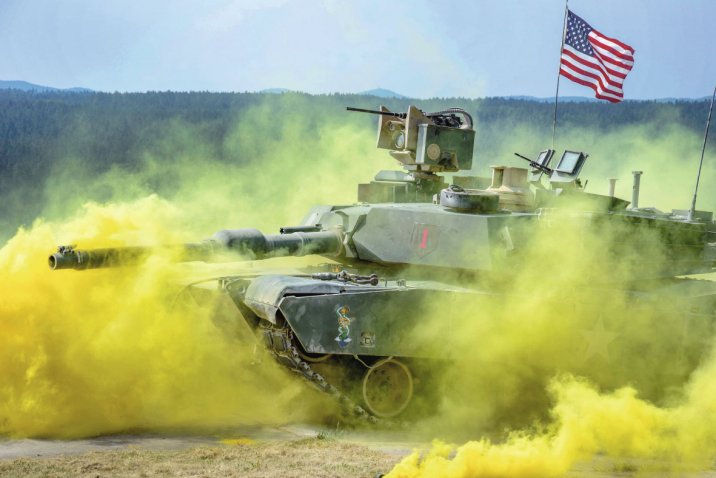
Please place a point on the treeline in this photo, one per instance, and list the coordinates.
(112, 128)
(39, 132)
(37, 129)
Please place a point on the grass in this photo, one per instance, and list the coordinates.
(309, 457)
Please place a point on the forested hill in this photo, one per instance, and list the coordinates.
(41, 134)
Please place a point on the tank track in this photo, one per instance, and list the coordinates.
(280, 342)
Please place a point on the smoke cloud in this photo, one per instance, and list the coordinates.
(86, 353)
(572, 356)
(578, 353)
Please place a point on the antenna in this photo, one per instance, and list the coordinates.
(703, 149)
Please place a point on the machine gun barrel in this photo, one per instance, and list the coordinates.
(246, 243)
(376, 112)
(535, 164)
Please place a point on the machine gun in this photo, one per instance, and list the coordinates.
(446, 117)
(228, 244)
(541, 163)
(426, 143)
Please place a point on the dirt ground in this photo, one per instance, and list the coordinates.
(296, 451)
(313, 457)
(293, 451)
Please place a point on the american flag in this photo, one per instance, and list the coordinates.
(594, 60)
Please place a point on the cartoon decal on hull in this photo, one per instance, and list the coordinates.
(344, 322)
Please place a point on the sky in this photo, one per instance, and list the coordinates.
(419, 48)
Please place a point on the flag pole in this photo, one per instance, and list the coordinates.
(703, 150)
(556, 94)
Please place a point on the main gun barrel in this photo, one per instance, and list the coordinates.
(224, 245)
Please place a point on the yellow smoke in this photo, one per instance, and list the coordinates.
(667, 152)
(93, 352)
(283, 158)
(112, 350)
(586, 422)
(577, 306)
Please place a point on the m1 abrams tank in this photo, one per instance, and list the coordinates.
(344, 326)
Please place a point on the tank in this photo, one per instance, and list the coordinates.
(413, 238)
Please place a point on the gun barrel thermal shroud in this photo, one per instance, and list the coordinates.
(238, 243)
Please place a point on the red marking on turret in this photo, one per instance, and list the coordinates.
(424, 242)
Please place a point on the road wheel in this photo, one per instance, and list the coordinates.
(387, 388)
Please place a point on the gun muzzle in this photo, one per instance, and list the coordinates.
(67, 257)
